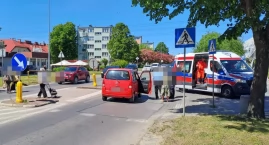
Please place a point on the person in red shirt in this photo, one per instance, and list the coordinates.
(200, 73)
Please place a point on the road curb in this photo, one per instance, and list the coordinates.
(35, 103)
(97, 87)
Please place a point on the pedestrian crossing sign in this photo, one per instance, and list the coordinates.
(212, 46)
(185, 37)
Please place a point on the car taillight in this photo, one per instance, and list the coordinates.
(130, 87)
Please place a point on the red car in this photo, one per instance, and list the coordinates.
(125, 83)
(74, 74)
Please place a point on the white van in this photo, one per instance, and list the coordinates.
(232, 77)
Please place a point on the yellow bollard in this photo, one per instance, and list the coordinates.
(94, 80)
(19, 92)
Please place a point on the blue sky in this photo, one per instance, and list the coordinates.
(28, 20)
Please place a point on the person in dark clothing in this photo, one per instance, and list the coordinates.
(42, 86)
(8, 81)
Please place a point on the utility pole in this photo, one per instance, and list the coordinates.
(49, 39)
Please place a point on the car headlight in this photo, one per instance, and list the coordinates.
(240, 81)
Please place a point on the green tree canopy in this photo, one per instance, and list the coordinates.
(144, 46)
(161, 47)
(232, 45)
(122, 44)
(243, 15)
(63, 38)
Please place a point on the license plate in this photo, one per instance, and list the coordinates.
(115, 89)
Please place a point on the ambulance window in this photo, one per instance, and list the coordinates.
(187, 67)
(216, 64)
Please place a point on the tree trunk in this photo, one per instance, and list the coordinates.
(256, 103)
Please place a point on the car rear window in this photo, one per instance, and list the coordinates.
(117, 75)
(70, 69)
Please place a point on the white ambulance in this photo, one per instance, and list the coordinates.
(232, 75)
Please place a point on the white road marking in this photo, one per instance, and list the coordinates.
(87, 114)
(178, 106)
(84, 97)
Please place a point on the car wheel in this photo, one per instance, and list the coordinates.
(139, 95)
(104, 98)
(75, 80)
(87, 79)
(227, 92)
(60, 83)
(132, 100)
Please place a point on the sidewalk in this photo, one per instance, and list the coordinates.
(67, 97)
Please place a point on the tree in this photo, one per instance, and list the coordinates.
(104, 61)
(151, 56)
(161, 47)
(245, 14)
(120, 63)
(63, 38)
(144, 46)
(122, 44)
(233, 45)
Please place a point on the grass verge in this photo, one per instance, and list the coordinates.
(33, 79)
(211, 130)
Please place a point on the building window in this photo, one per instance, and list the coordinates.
(104, 53)
(97, 56)
(91, 38)
(85, 46)
(91, 53)
(91, 46)
(98, 41)
(106, 38)
(98, 33)
(104, 46)
(105, 30)
(91, 30)
(98, 49)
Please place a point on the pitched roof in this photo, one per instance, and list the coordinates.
(11, 44)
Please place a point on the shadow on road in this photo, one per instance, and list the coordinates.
(143, 99)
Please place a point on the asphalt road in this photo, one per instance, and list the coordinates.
(29, 90)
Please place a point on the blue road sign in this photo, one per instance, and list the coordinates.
(184, 37)
(212, 46)
(18, 62)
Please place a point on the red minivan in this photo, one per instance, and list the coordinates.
(125, 83)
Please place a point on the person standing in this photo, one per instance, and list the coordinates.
(201, 65)
(42, 86)
(8, 81)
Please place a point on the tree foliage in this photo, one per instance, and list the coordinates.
(150, 56)
(119, 62)
(243, 15)
(122, 44)
(104, 61)
(161, 47)
(144, 46)
(232, 45)
(63, 38)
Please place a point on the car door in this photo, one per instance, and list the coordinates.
(80, 73)
(135, 82)
(145, 82)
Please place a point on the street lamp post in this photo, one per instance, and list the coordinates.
(49, 39)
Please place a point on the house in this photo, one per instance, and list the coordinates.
(36, 53)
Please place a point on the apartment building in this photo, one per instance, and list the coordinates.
(92, 42)
(138, 39)
(149, 44)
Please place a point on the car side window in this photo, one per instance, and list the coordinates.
(134, 77)
(83, 69)
(80, 69)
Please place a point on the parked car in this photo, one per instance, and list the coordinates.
(132, 66)
(32, 70)
(75, 74)
(105, 69)
(125, 83)
(165, 65)
(146, 68)
(155, 65)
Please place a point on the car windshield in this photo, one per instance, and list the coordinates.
(154, 64)
(117, 75)
(131, 66)
(70, 69)
(235, 66)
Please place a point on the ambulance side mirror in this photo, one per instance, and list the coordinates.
(221, 72)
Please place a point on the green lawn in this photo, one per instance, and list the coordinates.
(212, 130)
(32, 79)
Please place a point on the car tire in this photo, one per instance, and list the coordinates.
(60, 83)
(227, 92)
(87, 80)
(104, 98)
(75, 81)
(132, 100)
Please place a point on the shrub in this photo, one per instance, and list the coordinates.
(120, 63)
(57, 69)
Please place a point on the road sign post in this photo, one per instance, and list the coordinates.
(93, 63)
(61, 56)
(212, 50)
(184, 37)
(18, 62)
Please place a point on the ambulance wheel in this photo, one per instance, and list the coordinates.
(227, 92)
